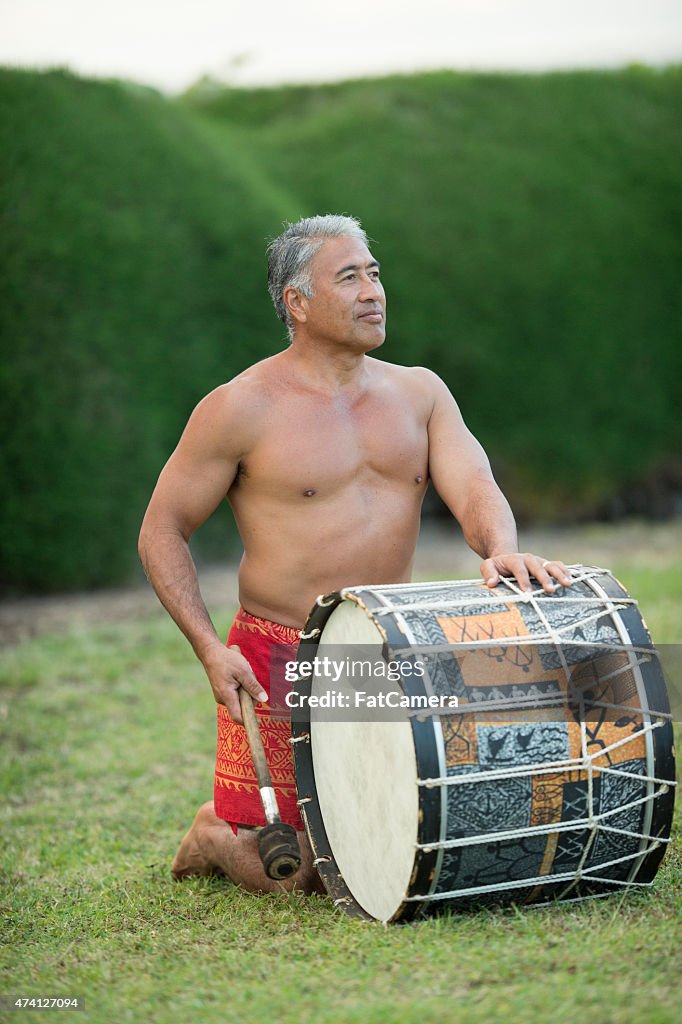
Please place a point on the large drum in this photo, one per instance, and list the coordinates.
(457, 746)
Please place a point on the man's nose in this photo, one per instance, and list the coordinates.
(370, 290)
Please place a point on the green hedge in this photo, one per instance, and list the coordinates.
(528, 227)
(132, 284)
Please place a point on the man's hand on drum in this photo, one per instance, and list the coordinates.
(227, 669)
(522, 566)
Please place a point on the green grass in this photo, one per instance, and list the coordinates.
(107, 750)
(659, 593)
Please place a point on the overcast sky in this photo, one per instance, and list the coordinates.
(171, 43)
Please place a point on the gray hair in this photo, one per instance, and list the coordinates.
(290, 256)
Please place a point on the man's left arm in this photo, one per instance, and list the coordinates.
(461, 474)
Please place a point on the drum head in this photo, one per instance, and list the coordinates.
(365, 778)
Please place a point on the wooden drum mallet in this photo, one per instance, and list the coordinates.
(277, 842)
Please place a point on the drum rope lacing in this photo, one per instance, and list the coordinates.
(309, 636)
(547, 768)
(586, 763)
(533, 703)
(578, 824)
(522, 597)
(489, 596)
(321, 602)
(566, 876)
(550, 698)
(579, 574)
(518, 597)
(593, 823)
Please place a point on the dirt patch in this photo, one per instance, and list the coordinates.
(28, 616)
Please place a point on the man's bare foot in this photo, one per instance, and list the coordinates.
(211, 847)
(191, 858)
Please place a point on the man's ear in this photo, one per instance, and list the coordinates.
(296, 304)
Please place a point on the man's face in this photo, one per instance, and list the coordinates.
(348, 305)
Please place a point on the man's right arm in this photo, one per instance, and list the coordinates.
(195, 479)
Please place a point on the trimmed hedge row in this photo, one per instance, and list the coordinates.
(132, 284)
(528, 227)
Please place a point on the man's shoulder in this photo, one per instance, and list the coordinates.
(237, 409)
(252, 386)
(406, 376)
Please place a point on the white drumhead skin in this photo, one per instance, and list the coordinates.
(365, 778)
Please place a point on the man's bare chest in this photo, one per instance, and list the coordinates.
(313, 445)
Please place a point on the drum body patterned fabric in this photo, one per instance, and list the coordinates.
(541, 769)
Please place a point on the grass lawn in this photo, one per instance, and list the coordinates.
(107, 750)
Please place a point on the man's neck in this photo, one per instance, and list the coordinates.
(334, 370)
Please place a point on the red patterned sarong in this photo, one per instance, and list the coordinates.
(266, 646)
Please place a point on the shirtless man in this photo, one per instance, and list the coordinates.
(324, 454)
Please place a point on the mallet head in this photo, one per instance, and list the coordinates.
(279, 850)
